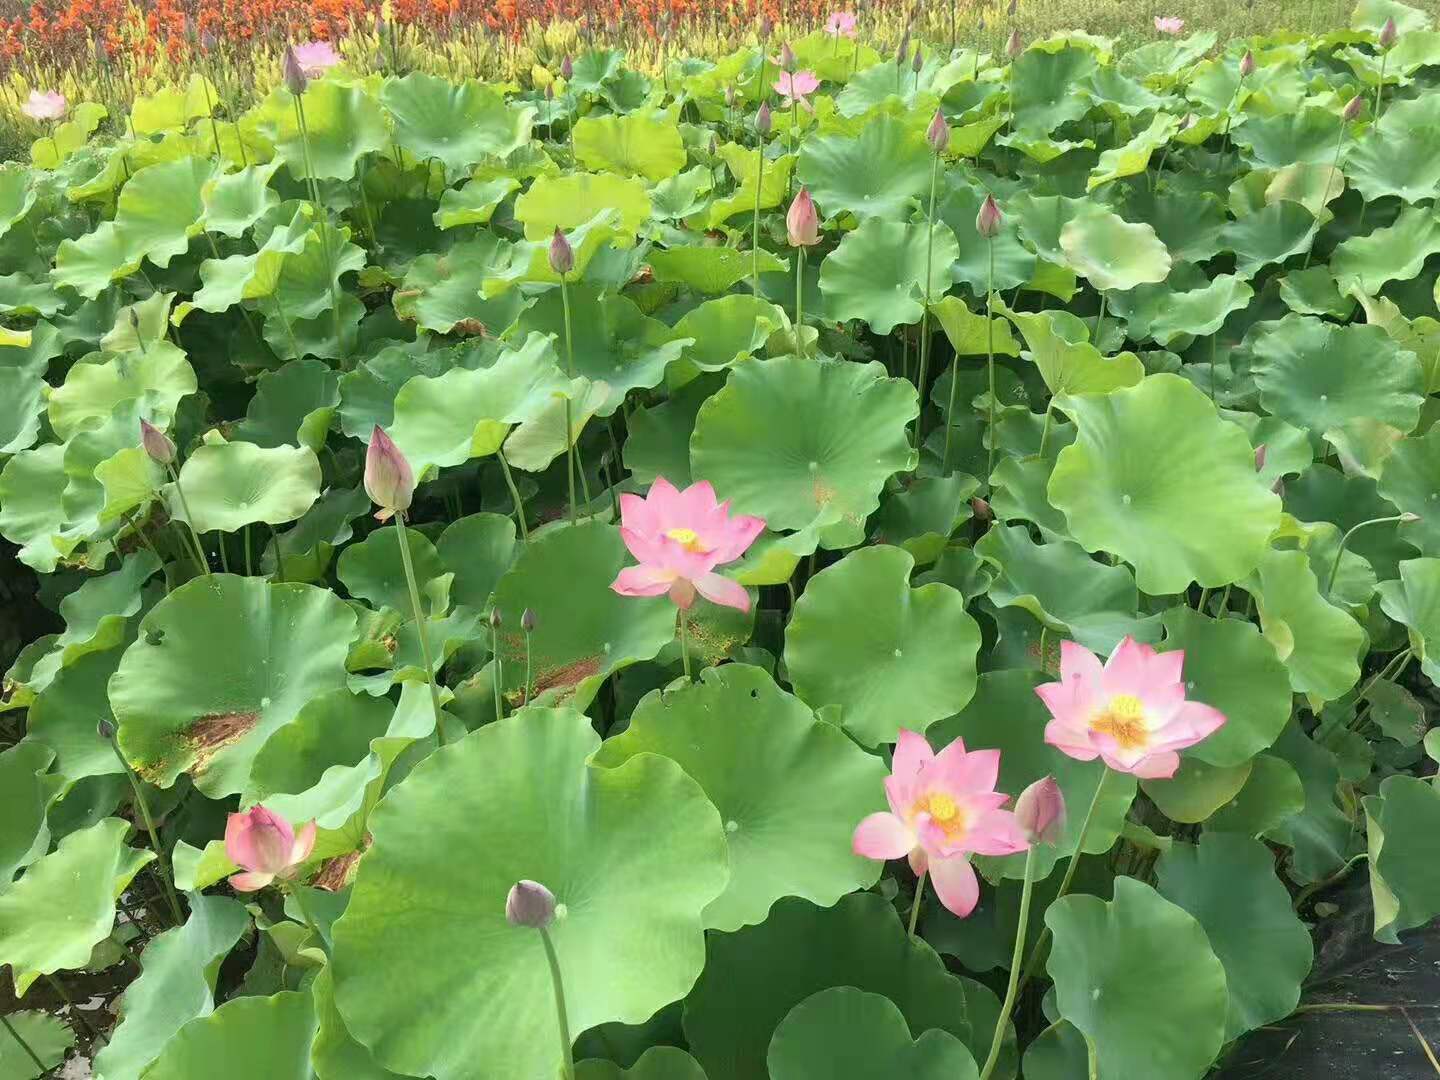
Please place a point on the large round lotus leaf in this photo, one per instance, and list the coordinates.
(31, 514)
(727, 329)
(1395, 253)
(335, 1054)
(1111, 253)
(46, 1035)
(1228, 665)
(373, 571)
(227, 486)
(1271, 796)
(1394, 157)
(457, 124)
(1323, 493)
(1317, 641)
(1414, 602)
(176, 986)
(1411, 480)
(1401, 822)
(657, 1063)
(477, 550)
(1197, 790)
(563, 202)
(878, 272)
(1156, 477)
(246, 1038)
(25, 794)
(1058, 1053)
(754, 978)
(1015, 264)
(162, 376)
(64, 904)
(711, 270)
(888, 655)
(1139, 978)
(641, 143)
(1303, 135)
(221, 664)
(342, 124)
(1318, 375)
(1228, 884)
(1069, 366)
(1042, 87)
(442, 291)
(1007, 715)
(633, 854)
(1267, 236)
(801, 443)
(846, 1032)
(874, 174)
(584, 630)
(292, 405)
(768, 747)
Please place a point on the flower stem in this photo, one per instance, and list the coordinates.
(144, 805)
(755, 224)
(915, 906)
(189, 520)
(64, 995)
(567, 1060)
(569, 373)
(525, 693)
(990, 355)
(1099, 320)
(925, 316)
(1012, 988)
(420, 630)
(24, 1046)
(515, 495)
(1380, 86)
(685, 642)
(1325, 198)
(145, 539)
(496, 672)
(800, 301)
(1345, 541)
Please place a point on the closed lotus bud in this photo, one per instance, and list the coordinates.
(1247, 64)
(989, 219)
(982, 511)
(106, 730)
(801, 223)
(762, 119)
(918, 63)
(1354, 107)
(527, 620)
(495, 619)
(567, 69)
(530, 904)
(981, 24)
(1260, 452)
(1014, 47)
(1040, 811)
(1388, 34)
(729, 96)
(714, 146)
(1407, 518)
(549, 91)
(156, 443)
(787, 57)
(765, 27)
(562, 255)
(295, 80)
(388, 479)
(938, 133)
(1013, 8)
(902, 54)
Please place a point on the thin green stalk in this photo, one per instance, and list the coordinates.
(245, 539)
(1345, 541)
(915, 905)
(323, 223)
(279, 556)
(567, 1059)
(525, 693)
(496, 670)
(755, 223)
(925, 316)
(440, 731)
(1224, 602)
(1214, 344)
(189, 518)
(140, 801)
(514, 496)
(145, 539)
(1100, 319)
(570, 373)
(210, 107)
(40, 1065)
(1204, 595)
(1012, 988)
(800, 301)
(1044, 431)
(990, 358)
(1380, 86)
(224, 555)
(64, 995)
(1329, 179)
(685, 643)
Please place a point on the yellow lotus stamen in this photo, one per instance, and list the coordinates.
(686, 538)
(1124, 721)
(943, 811)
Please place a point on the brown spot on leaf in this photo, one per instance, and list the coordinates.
(471, 328)
(568, 676)
(210, 734)
(338, 872)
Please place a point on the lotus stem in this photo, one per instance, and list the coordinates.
(64, 995)
(1345, 541)
(990, 360)
(514, 496)
(915, 904)
(925, 316)
(29, 1051)
(1099, 321)
(200, 559)
(525, 693)
(420, 631)
(145, 539)
(324, 224)
(140, 801)
(497, 666)
(1012, 987)
(1380, 87)
(1325, 198)
(800, 301)
(567, 1059)
(570, 374)
(685, 643)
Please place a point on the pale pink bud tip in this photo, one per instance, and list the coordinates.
(530, 904)
(156, 443)
(787, 57)
(1260, 452)
(938, 134)
(1388, 33)
(388, 479)
(1014, 47)
(1040, 811)
(989, 219)
(1247, 64)
(1354, 107)
(762, 119)
(982, 511)
(295, 80)
(801, 222)
(567, 69)
(918, 63)
(562, 255)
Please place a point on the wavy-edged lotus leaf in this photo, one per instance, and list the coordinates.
(1042, 87)
(160, 376)
(656, 1063)
(768, 747)
(1414, 602)
(455, 123)
(1228, 883)
(22, 401)
(1306, 135)
(335, 1054)
(373, 571)
(1394, 158)
(1017, 490)
(228, 485)
(1197, 790)
(473, 202)
(1067, 365)
(1007, 715)
(1059, 1052)
(1015, 264)
(922, 517)
(755, 977)
(1133, 157)
(888, 655)
(293, 406)
(1410, 478)
(229, 281)
(642, 143)
(771, 186)
(64, 905)
(712, 270)
(1155, 476)
(1112, 253)
(442, 291)
(236, 201)
(1318, 642)
(50, 151)
(367, 393)
(563, 202)
(657, 441)
(220, 665)
(1199, 312)
(47, 1037)
(477, 550)
(1137, 975)
(683, 195)
(303, 551)
(878, 273)
(25, 795)
(970, 333)
(1271, 796)
(847, 1032)
(31, 514)
(633, 853)
(1270, 235)
(583, 630)
(176, 986)
(65, 715)
(1420, 335)
(171, 108)
(343, 123)
(246, 1037)
(801, 442)
(1404, 876)
(310, 282)
(1314, 291)
(1321, 833)
(1320, 376)
(874, 174)
(726, 330)
(1394, 253)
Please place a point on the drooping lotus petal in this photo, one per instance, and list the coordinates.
(46, 105)
(955, 884)
(315, 58)
(265, 846)
(1169, 24)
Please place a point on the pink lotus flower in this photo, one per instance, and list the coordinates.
(264, 846)
(1168, 24)
(943, 808)
(315, 58)
(841, 24)
(794, 87)
(1131, 712)
(679, 538)
(50, 105)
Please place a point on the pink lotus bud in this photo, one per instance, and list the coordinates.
(295, 80)
(938, 134)
(156, 443)
(989, 219)
(1014, 47)
(567, 69)
(1354, 107)
(530, 904)
(982, 511)
(902, 54)
(265, 846)
(388, 479)
(762, 119)
(801, 222)
(1260, 452)
(918, 63)
(1013, 8)
(1388, 34)
(787, 57)
(562, 255)
(1040, 811)
(527, 620)
(549, 91)
(1247, 64)
(766, 26)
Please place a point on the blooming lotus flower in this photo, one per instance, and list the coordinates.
(679, 537)
(943, 809)
(49, 105)
(389, 480)
(265, 846)
(1168, 24)
(1131, 712)
(315, 57)
(802, 225)
(841, 24)
(794, 87)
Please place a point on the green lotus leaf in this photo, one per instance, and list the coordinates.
(970, 333)
(17, 194)
(1228, 883)
(529, 260)
(31, 515)
(171, 108)
(843, 1031)
(1420, 335)
(342, 125)
(1395, 253)
(229, 281)
(1015, 264)
(1318, 643)
(66, 713)
(1111, 253)
(1306, 135)
(1059, 1052)
(725, 331)
(310, 278)
(50, 151)
(754, 978)
(1414, 602)
(534, 445)
(800, 443)
(25, 795)
(1321, 834)
(633, 853)
(711, 270)
(1133, 157)
(1272, 795)
(656, 1063)
(367, 393)
(772, 186)
(1410, 479)
(1155, 476)
(221, 664)
(1393, 157)
(657, 439)
(45, 1035)
(176, 986)
(473, 202)
(442, 292)
(922, 517)
(1315, 292)
(874, 174)
(1197, 790)
(1069, 366)
(1200, 312)
(1404, 880)
(236, 201)
(641, 143)
(1017, 490)
(292, 406)
(477, 550)
(20, 295)
(563, 202)
(64, 905)
(303, 551)
(160, 376)
(684, 195)
(373, 571)
(335, 1054)
(1042, 88)
(1162, 1003)
(878, 273)
(456, 123)
(226, 486)
(245, 1037)
(1271, 235)
(1320, 376)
